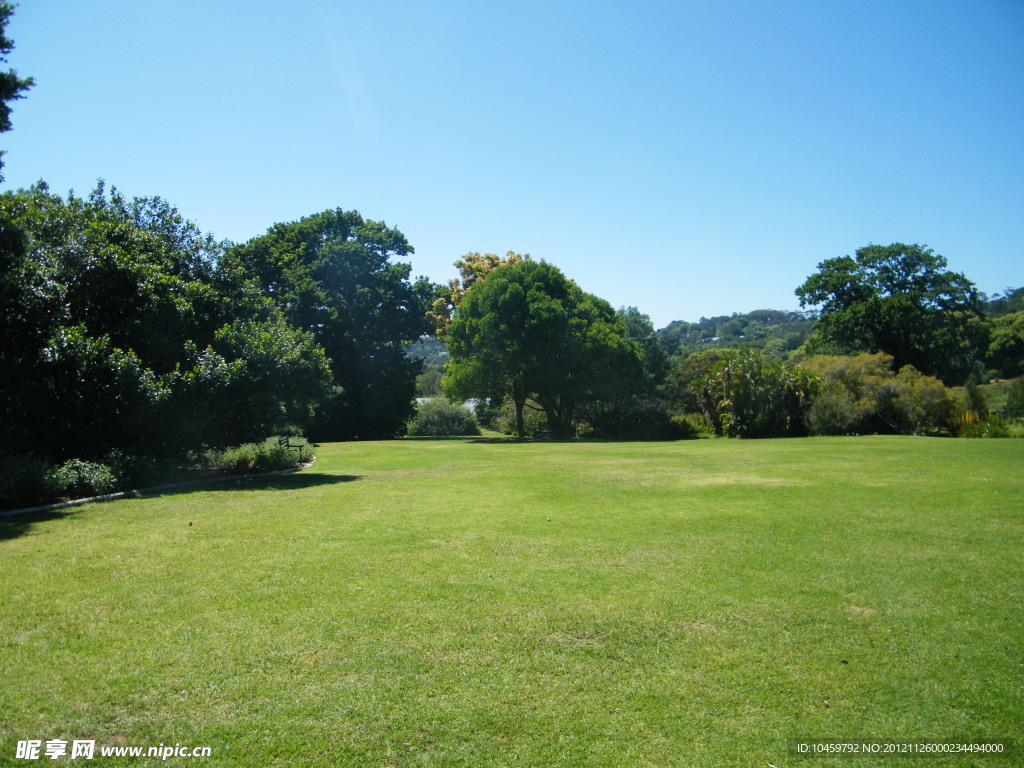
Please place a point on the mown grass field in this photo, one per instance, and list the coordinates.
(475, 603)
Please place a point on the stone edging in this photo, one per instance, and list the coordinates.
(136, 492)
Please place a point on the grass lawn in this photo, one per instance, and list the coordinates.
(479, 603)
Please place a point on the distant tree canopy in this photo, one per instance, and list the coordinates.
(772, 330)
(1011, 300)
(898, 299)
(331, 275)
(527, 332)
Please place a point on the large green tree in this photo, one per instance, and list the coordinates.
(11, 86)
(898, 299)
(116, 322)
(332, 275)
(528, 332)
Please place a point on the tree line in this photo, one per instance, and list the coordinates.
(884, 336)
(130, 337)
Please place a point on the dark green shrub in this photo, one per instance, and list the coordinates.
(24, 481)
(833, 412)
(639, 419)
(914, 404)
(441, 418)
(134, 471)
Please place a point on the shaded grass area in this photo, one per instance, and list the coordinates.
(495, 603)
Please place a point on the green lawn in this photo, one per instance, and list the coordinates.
(477, 603)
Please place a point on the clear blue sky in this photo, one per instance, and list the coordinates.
(688, 158)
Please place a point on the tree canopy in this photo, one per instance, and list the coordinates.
(332, 275)
(121, 332)
(526, 331)
(898, 299)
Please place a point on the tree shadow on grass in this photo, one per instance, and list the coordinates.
(17, 525)
(293, 481)
(20, 525)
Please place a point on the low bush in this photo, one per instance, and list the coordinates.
(441, 418)
(833, 412)
(863, 395)
(251, 458)
(76, 479)
(970, 424)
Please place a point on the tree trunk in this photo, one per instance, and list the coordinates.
(520, 400)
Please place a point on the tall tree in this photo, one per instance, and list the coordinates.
(901, 300)
(473, 267)
(11, 86)
(115, 323)
(528, 332)
(332, 275)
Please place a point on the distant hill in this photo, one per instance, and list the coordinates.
(774, 330)
(1011, 300)
(431, 351)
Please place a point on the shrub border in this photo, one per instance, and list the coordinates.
(133, 493)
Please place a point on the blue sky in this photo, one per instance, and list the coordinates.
(688, 158)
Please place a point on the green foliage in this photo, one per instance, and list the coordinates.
(271, 455)
(76, 479)
(255, 379)
(1006, 348)
(490, 411)
(974, 400)
(123, 331)
(331, 274)
(639, 419)
(534, 420)
(440, 418)
(1012, 300)
(901, 300)
(1014, 407)
(91, 395)
(24, 480)
(683, 380)
(877, 399)
(428, 383)
(915, 404)
(970, 424)
(772, 330)
(526, 331)
(749, 394)
(833, 412)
